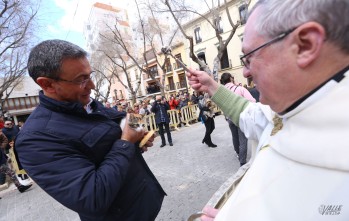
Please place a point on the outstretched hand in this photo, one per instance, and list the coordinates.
(201, 81)
(209, 213)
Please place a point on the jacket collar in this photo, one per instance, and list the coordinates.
(76, 108)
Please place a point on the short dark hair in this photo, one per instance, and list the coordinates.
(45, 59)
(225, 78)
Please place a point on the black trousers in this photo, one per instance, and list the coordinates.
(210, 126)
(161, 132)
(239, 142)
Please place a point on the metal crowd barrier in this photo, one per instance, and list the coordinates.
(149, 122)
(14, 163)
(174, 118)
(187, 115)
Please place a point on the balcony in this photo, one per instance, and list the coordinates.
(168, 69)
(147, 77)
(181, 84)
(170, 87)
(152, 89)
(177, 66)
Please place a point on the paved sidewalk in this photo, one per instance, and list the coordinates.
(190, 172)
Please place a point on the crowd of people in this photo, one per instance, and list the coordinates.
(176, 102)
(8, 133)
(297, 54)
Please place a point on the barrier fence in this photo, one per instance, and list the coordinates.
(187, 115)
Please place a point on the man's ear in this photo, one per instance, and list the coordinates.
(310, 38)
(46, 84)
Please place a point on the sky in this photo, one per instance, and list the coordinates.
(65, 19)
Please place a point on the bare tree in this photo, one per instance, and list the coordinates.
(16, 22)
(117, 52)
(104, 72)
(159, 35)
(176, 7)
(122, 52)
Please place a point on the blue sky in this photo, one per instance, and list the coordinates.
(65, 19)
(57, 20)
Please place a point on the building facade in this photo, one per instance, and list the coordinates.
(103, 18)
(206, 44)
(22, 101)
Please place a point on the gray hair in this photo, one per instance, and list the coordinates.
(45, 59)
(279, 16)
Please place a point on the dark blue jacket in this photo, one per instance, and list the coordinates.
(156, 110)
(3, 143)
(79, 160)
(11, 134)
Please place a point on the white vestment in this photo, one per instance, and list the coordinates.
(301, 172)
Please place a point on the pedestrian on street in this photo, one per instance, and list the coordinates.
(297, 53)
(239, 138)
(4, 169)
(160, 108)
(207, 115)
(73, 147)
(10, 131)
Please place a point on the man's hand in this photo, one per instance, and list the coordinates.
(210, 213)
(149, 142)
(130, 134)
(201, 81)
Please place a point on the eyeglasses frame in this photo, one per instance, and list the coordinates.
(81, 83)
(281, 36)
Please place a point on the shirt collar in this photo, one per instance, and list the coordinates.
(336, 78)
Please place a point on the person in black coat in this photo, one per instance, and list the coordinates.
(74, 148)
(207, 115)
(160, 108)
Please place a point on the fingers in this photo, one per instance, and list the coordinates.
(210, 212)
(144, 148)
(151, 139)
(130, 134)
(206, 218)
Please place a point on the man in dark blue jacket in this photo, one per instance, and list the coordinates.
(160, 108)
(74, 148)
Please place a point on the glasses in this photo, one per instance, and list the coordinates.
(245, 59)
(8, 124)
(81, 83)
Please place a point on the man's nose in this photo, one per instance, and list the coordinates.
(246, 72)
(90, 84)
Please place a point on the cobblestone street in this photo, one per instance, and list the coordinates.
(190, 172)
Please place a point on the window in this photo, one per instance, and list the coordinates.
(243, 13)
(179, 57)
(225, 60)
(219, 25)
(153, 88)
(153, 70)
(168, 66)
(197, 35)
(202, 57)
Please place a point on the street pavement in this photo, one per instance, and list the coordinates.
(190, 172)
